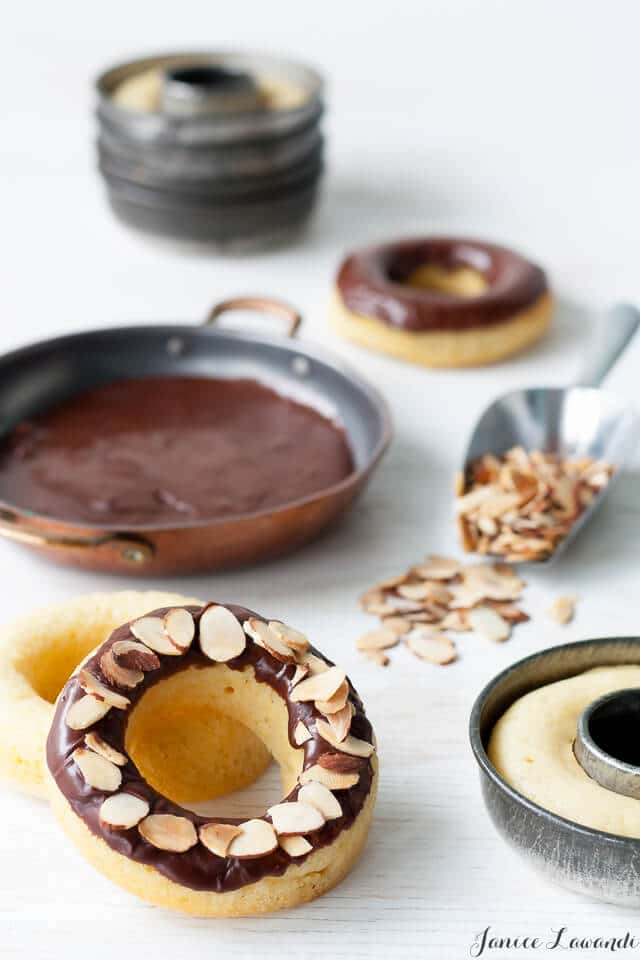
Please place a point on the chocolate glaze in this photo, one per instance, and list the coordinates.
(197, 869)
(170, 450)
(373, 282)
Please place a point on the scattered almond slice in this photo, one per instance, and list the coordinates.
(180, 628)
(85, 712)
(291, 638)
(95, 742)
(133, 655)
(294, 818)
(351, 745)
(221, 635)
(319, 796)
(437, 648)
(332, 779)
(314, 664)
(217, 837)
(488, 623)
(397, 625)
(457, 621)
(337, 702)
(122, 811)
(381, 639)
(168, 832)
(341, 721)
(96, 688)
(295, 846)
(96, 771)
(378, 657)
(263, 635)
(299, 673)
(117, 675)
(301, 734)
(439, 568)
(257, 838)
(320, 686)
(562, 609)
(150, 631)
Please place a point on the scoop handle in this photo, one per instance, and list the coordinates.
(608, 342)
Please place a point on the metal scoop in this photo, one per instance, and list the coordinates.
(577, 421)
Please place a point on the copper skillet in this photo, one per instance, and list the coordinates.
(35, 377)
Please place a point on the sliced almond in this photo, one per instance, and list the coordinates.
(294, 818)
(123, 811)
(436, 648)
(168, 832)
(151, 632)
(381, 639)
(295, 846)
(489, 624)
(414, 591)
(320, 686)
(313, 663)
(457, 621)
(351, 745)
(509, 611)
(337, 702)
(263, 635)
(85, 712)
(299, 673)
(317, 795)
(334, 780)
(96, 771)
(339, 762)
(134, 655)
(439, 568)
(341, 721)
(217, 837)
(301, 734)
(397, 625)
(95, 742)
(257, 838)
(179, 626)
(96, 688)
(117, 675)
(378, 657)
(221, 635)
(562, 609)
(291, 637)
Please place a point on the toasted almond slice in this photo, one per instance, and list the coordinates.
(221, 635)
(336, 703)
(295, 846)
(438, 568)
(562, 609)
(397, 625)
(320, 686)
(381, 639)
(339, 762)
(437, 648)
(509, 611)
(456, 620)
(97, 772)
(133, 655)
(377, 656)
(466, 533)
(459, 483)
(301, 734)
(96, 688)
(319, 796)
(117, 675)
(291, 637)
(151, 632)
(391, 582)
(123, 811)
(95, 742)
(294, 818)
(179, 627)
(85, 712)
(217, 837)
(168, 832)
(489, 624)
(257, 838)
(263, 635)
(314, 664)
(299, 673)
(414, 591)
(332, 779)
(341, 721)
(351, 745)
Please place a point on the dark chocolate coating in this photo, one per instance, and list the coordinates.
(372, 282)
(197, 868)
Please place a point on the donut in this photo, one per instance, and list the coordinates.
(441, 301)
(114, 791)
(531, 747)
(37, 654)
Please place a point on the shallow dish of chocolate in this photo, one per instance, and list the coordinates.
(173, 448)
(191, 702)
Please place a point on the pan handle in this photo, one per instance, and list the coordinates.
(133, 549)
(274, 308)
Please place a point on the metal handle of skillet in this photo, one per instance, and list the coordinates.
(274, 308)
(132, 548)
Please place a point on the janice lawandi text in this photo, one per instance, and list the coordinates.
(490, 942)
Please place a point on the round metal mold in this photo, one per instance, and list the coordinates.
(607, 745)
(602, 865)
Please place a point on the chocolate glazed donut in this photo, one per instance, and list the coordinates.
(441, 301)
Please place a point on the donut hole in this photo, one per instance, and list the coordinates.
(459, 272)
(460, 282)
(207, 732)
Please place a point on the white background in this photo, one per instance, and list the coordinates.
(514, 121)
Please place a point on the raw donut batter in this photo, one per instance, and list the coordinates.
(531, 747)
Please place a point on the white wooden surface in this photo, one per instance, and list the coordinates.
(514, 121)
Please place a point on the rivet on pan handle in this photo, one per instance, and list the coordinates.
(275, 308)
(134, 549)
